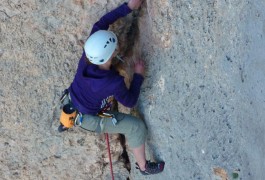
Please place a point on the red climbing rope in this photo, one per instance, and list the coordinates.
(107, 141)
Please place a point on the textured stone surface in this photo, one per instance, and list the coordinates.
(203, 98)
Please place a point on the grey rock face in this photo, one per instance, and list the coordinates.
(202, 100)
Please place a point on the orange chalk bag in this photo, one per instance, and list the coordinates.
(68, 116)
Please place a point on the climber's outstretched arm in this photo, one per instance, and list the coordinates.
(112, 16)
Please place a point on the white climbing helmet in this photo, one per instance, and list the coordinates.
(100, 46)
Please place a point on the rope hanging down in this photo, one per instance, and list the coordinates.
(107, 141)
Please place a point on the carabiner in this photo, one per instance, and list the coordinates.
(78, 119)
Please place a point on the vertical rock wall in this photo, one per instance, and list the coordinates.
(41, 43)
(202, 100)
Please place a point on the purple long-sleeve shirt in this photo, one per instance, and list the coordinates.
(92, 87)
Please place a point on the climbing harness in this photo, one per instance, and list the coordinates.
(108, 115)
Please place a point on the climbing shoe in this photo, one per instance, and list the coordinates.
(152, 168)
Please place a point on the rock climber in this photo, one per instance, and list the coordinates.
(97, 82)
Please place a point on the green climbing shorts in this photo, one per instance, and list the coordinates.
(133, 128)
